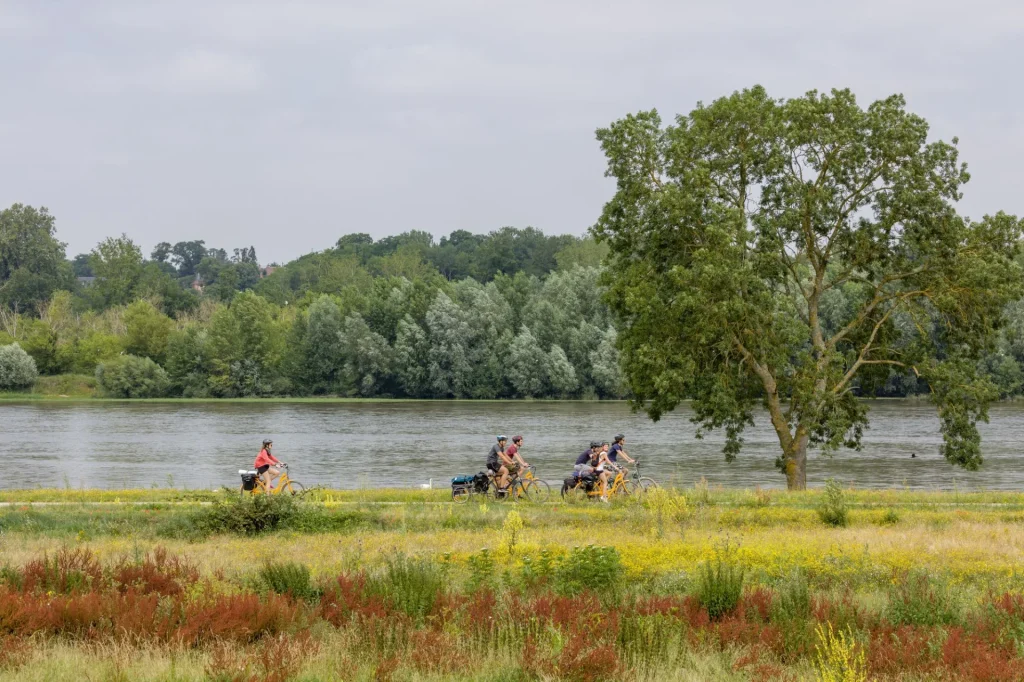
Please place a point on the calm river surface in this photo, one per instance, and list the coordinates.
(400, 444)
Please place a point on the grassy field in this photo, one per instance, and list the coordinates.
(692, 584)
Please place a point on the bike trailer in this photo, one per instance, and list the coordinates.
(248, 479)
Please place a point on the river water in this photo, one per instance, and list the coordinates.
(405, 444)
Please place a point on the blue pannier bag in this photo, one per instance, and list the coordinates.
(462, 480)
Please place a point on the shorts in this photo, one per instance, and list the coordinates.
(493, 466)
(581, 470)
(263, 469)
(512, 468)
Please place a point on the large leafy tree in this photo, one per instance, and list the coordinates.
(117, 263)
(731, 229)
(32, 264)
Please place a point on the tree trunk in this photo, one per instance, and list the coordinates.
(795, 461)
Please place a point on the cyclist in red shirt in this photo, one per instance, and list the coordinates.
(512, 452)
(264, 465)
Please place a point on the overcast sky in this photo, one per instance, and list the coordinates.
(287, 124)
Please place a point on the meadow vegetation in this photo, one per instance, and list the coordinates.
(697, 584)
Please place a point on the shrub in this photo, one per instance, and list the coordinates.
(917, 600)
(833, 511)
(410, 584)
(481, 570)
(719, 587)
(890, 518)
(793, 598)
(128, 376)
(288, 578)
(17, 368)
(248, 515)
(586, 568)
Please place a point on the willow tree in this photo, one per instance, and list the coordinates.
(789, 254)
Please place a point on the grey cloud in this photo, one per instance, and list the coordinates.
(286, 124)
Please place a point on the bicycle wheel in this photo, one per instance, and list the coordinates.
(460, 495)
(574, 495)
(294, 487)
(628, 488)
(645, 484)
(536, 491)
(499, 494)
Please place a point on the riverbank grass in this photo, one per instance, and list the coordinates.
(366, 585)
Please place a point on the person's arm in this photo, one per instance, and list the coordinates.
(622, 451)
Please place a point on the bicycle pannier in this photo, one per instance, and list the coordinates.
(248, 480)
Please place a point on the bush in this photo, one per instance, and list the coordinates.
(917, 600)
(890, 518)
(719, 587)
(248, 515)
(793, 598)
(128, 376)
(586, 568)
(288, 578)
(17, 368)
(832, 511)
(410, 584)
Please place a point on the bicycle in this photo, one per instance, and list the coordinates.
(284, 483)
(536, 490)
(519, 486)
(625, 483)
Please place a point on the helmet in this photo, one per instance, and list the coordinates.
(501, 438)
(266, 442)
(517, 439)
(619, 437)
(594, 444)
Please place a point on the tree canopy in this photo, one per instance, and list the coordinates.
(795, 253)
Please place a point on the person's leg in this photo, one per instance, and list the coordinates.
(502, 476)
(272, 473)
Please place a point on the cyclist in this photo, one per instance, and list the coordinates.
(618, 448)
(513, 453)
(264, 465)
(585, 462)
(497, 462)
(604, 465)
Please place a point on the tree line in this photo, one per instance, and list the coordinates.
(511, 314)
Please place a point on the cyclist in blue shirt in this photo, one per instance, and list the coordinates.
(618, 448)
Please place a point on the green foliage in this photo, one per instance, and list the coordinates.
(147, 331)
(792, 598)
(128, 376)
(117, 264)
(918, 599)
(189, 362)
(790, 252)
(833, 510)
(245, 344)
(410, 584)
(589, 568)
(32, 264)
(247, 515)
(288, 578)
(17, 368)
(719, 587)
(890, 518)
(481, 570)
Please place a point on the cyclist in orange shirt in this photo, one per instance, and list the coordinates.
(264, 465)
